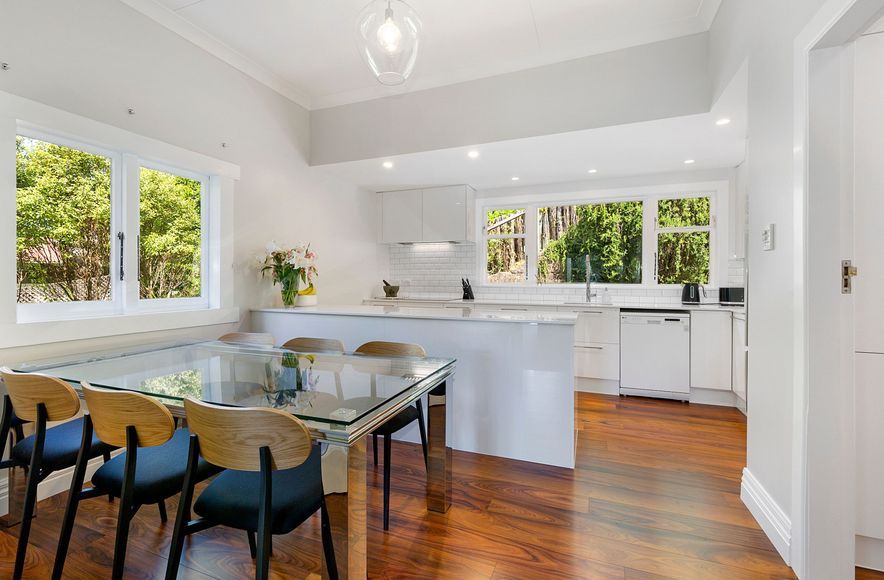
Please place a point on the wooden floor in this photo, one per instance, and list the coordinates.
(655, 495)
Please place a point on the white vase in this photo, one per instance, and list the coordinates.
(307, 300)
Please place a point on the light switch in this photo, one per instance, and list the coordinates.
(767, 238)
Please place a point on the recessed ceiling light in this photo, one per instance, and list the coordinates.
(515, 178)
(388, 165)
(473, 154)
(688, 161)
(593, 171)
(723, 121)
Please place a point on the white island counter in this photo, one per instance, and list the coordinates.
(513, 391)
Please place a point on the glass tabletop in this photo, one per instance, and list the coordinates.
(334, 388)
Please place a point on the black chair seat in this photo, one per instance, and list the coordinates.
(403, 419)
(232, 499)
(61, 446)
(159, 471)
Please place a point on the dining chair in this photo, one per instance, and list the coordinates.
(150, 471)
(255, 338)
(272, 481)
(402, 419)
(307, 344)
(40, 399)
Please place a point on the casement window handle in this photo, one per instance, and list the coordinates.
(122, 237)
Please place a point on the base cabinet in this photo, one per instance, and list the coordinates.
(740, 357)
(711, 350)
(597, 361)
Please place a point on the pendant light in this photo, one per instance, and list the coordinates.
(388, 32)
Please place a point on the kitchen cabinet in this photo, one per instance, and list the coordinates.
(401, 216)
(739, 356)
(711, 350)
(597, 361)
(437, 214)
(597, 326)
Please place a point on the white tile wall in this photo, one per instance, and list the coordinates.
(433, 271)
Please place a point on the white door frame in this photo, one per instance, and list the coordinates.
(823, 451)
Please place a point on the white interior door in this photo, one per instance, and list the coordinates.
(868, 291)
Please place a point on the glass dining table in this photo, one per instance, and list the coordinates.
(341, 397)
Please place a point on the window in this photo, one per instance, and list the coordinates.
(650, 237)
(73, 250)
(505, 242)
(684, 237)
(609, 233)
(170, 238)
(63, 210)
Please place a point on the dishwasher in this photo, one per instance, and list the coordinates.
(655, 354)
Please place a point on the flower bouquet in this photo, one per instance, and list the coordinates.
(289, 267)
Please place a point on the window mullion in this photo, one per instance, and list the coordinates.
(130, 227)
(649, 241)
(531, 242)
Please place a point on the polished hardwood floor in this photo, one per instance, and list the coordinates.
(655, 495)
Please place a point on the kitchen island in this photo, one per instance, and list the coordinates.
(513, 392)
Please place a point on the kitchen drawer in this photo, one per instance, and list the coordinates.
(597, 326)
(597, 361)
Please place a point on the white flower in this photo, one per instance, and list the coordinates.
(272, 248)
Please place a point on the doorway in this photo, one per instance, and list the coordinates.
(836, 221)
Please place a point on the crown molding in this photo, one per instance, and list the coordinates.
(196, 35)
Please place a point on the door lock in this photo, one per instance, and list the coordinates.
(848, 271)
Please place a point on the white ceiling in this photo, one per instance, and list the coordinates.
(306, 49)
(625, 150)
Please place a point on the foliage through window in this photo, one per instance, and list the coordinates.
(63, 213)
(71, 238)
(170, 238)
(609, 233)
(684, 236)
(506, 236)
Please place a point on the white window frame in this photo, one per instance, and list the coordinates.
(685, 230)
(125, 218)
(717, 191)
(526, 236)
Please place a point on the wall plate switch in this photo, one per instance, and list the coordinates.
(767, 238)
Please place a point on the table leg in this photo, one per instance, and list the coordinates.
(439, 453)
(348, 511)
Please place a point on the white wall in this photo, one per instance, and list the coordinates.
(653, 81)
(763, 33)
(98, 58)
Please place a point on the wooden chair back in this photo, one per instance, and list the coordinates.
(256, 338)
(113, 411)
(306, 344)
(381, 348)
(27, 390)
(231, 437)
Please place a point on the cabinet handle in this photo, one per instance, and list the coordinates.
(516, 309)
(594, 347)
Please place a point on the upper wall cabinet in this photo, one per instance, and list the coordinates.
(438, 214)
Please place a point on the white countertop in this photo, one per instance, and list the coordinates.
(579, 306)
(467, 314)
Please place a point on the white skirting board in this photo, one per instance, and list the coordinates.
(54, 484)
(870, 553)
(770, 516)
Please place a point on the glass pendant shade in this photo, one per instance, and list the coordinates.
(388, 33)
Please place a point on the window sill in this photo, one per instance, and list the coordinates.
(45, 332)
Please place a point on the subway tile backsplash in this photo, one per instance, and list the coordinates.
(433, 271)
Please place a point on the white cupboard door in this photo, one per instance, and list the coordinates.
(711, 350)
(598, 361)
(597, 326)
(869, 442)
(445, 214)
(402, 216)
(739, 378)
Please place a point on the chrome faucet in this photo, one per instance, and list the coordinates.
(589, 293)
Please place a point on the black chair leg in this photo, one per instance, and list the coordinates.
(127, 506)
(374, 446)
(328, 547)
(27, 515)
(253, 548)
(183, 515)
(423, 429)
(388, 441)
(265, 516)
(106, 457)
(70, 513)
(34, 478)
(162, 506)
